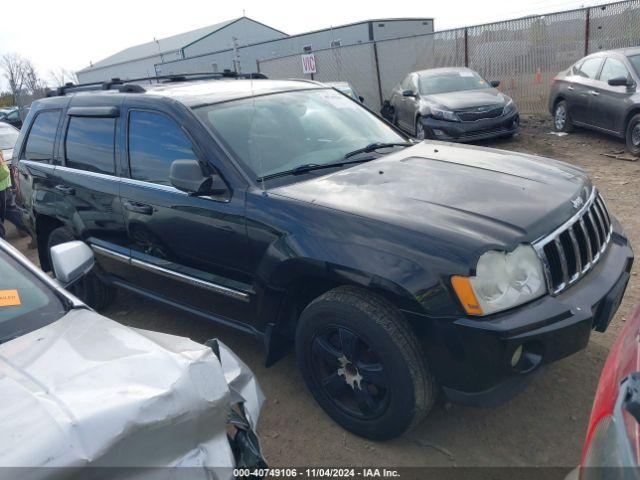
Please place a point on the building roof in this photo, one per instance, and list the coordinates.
(160, 46)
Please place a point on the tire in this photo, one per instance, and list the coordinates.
(387, 359)
(633, 135)
(561, 118)
(90, 289)
(421, 133)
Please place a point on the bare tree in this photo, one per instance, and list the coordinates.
(61, 76)
(32, 80)
(13, 67)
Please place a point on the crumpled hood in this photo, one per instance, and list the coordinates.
(450, 191)
(86, 390)
(468, 98)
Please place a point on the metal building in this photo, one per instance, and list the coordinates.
(247, 58)
(140, 60)
(240, 45)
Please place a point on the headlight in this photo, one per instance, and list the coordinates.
(510, 106)
(443, 114)
(502, 281)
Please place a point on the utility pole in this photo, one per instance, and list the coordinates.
(236, 56)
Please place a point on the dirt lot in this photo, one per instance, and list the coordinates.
(544, 426)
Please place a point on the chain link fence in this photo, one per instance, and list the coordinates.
(355, 64)
(524, 54)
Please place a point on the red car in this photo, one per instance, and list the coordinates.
(613, 438)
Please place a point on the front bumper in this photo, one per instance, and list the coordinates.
(471, 357)
(501, 126)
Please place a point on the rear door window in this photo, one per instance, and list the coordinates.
(42, 136)
(590, 67)
(90, 144)
(155, 141)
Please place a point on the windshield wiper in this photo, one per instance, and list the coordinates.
(309, 167)
(375, 146)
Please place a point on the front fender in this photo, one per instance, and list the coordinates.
(410, 286)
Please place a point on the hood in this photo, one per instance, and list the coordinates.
(468, 98)
(86, 390)
(455, 192)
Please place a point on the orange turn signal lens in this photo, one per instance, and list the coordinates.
(466, 295)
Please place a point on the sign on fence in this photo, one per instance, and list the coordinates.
(308, 63)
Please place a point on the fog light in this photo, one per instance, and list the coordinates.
(516, 357)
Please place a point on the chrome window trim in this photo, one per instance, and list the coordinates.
(88, 173)
(165, 272)
(35, 163)
(155, 186)
(105, 176)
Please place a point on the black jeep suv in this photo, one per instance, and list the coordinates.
(289, 211)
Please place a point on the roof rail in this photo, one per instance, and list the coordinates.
(131, 87)
(113, 84)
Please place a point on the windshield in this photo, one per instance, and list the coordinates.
(455, 81)
(8, 137)
(279, 132)
(26, 302)
(635, 61)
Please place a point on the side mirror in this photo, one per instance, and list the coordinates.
(408, 93)
(186, 175)
(495, 83)
(71, 261)
(620, 81)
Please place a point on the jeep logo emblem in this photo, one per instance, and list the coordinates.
(577, 202)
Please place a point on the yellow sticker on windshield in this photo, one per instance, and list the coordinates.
(9, 298)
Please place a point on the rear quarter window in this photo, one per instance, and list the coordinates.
(42, 135)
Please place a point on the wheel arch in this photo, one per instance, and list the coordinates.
(635, 110)
(559, 98)
(45, 224)
(303, 279)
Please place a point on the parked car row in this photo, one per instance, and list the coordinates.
(598, 92)
(290, 212)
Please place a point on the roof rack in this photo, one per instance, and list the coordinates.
(131, 87)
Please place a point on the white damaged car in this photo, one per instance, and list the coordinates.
(80, 390)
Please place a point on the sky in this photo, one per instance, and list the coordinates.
(72, 34)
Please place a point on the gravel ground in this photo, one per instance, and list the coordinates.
(544, 426)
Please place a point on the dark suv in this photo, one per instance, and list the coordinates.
(600, 92)
(289, 211)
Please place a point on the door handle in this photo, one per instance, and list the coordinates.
(594, 93)
(570, 88)
(65, 189)
(136, 207)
